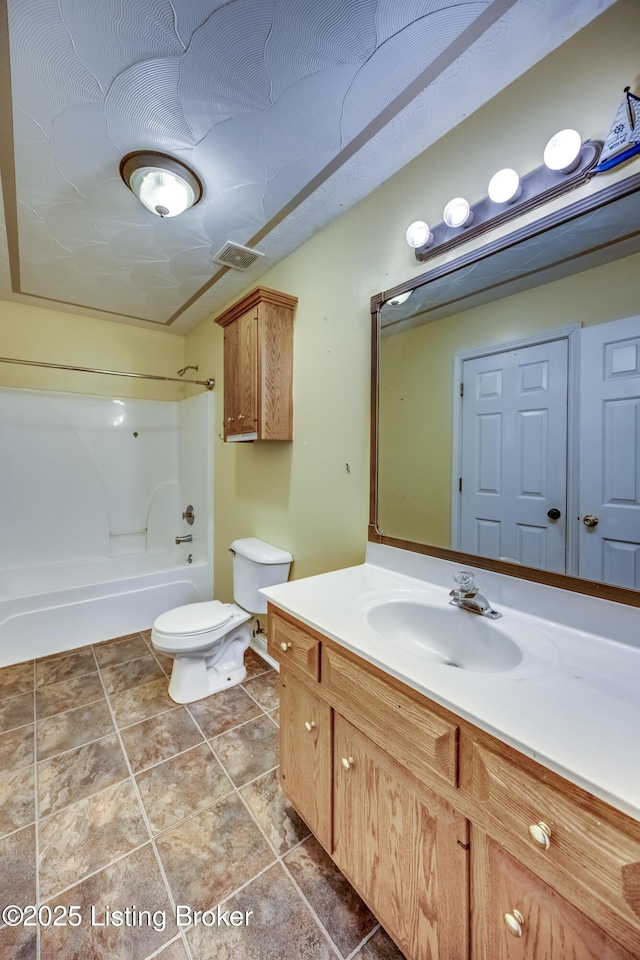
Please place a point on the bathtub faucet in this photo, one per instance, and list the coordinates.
(186, 539)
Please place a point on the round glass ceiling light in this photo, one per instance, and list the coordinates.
(399, 298)
(418, 234)
(562, 153)
(504, 186)
(166, 186)
(457, 213)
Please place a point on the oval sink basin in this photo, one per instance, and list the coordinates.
(446, 635)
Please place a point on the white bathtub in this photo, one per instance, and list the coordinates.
(58, 607)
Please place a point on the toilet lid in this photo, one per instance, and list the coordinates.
(194, 618)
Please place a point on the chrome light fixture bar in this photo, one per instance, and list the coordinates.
(164, 185)
(568, 163)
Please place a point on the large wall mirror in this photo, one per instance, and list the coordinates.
(506, 400)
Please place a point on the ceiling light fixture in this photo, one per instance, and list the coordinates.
(166, 186)
(504, 186)
(399, 298)
(457, 213)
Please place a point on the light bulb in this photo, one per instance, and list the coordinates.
(162, 192)
(418, 234)
(504, 186)
(457, 213)
(562, 153)
(399, 298)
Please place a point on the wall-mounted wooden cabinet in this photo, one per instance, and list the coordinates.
(439, 826)
(258, 366)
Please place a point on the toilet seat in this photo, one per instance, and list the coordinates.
(194, 618)
(195, 627)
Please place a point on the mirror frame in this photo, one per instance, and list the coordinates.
(593, 588)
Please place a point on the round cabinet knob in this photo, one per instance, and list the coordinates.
(241, 416)
(554, 513)
(590, 520)
(541, 834)
(347, 762)
(310, 726)
(514, 922)
(285, 646)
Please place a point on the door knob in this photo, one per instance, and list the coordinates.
(590, 520)
(554, 513)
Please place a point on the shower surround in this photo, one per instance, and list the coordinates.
(92, 491)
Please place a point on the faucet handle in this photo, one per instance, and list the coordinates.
(465, 580)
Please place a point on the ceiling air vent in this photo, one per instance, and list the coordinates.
(235, 256)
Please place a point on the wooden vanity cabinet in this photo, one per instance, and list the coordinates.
(438, 825)
(258, 366)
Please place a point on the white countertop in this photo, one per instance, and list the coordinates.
(578, 716)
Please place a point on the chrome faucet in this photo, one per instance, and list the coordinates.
(188, 537)
(467, 597)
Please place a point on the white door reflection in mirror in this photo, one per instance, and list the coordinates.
(609, 544)
(514, 456)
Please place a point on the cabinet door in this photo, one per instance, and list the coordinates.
(231, 422)
(305, 755)
(544, 926)
(403, 848)
(247, 375)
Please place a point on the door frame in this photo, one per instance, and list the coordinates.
(571, 334)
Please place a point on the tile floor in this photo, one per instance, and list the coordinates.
(111, 794)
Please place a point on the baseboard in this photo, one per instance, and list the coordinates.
(259, 644)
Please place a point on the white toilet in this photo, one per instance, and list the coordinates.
(208, 640)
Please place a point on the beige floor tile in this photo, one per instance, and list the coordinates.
(209, 856)
(174, 951)
(140, 703)
(133, 673)
(16, 712)
(346, 918)
(379, 947)
(223, 711)
(134, 880)
(17, 793)
(18, 873)
(58, 697)
(18, 943)
(276, 816)
(65, 668)
(249, 750)
(87, 836)
(255, 664)
(182, 786)
(159, 738)
(265, 689)
(16, 679)
(16, 748)
(79, 773)
(125, 636)
(280, 928)
(275, 716)
(64, 731)
(119, 651)
(165, 662)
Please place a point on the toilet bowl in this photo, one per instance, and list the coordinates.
(208, 640)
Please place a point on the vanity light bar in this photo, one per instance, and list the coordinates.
(527, 193)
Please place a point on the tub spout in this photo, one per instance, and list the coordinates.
(186, 539)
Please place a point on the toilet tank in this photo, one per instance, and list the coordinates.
(257, 564)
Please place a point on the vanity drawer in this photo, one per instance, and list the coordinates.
(593, 852)
(293, 646)
(401, 723)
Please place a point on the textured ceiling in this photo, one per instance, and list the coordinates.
(268, 100)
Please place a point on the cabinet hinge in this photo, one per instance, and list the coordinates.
(460, 484)
(465, 846)
(462, 389)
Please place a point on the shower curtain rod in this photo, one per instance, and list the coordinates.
(209, 384)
